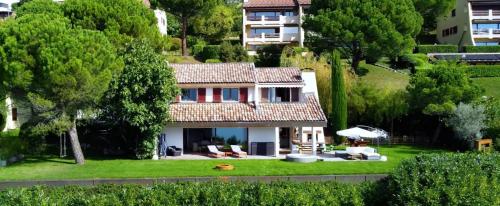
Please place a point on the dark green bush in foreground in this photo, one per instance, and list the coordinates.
(483, 71)
(447, 179)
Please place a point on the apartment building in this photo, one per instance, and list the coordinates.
(267, 22)
(6, 7)
(471, 22)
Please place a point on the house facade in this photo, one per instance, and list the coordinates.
(6, 8)
(266, 110)
(268, 22)
(18, 112)
(471, 22)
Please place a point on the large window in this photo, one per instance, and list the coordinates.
(230, 94)
(189, 95)
(264, 13)
(280, 94)
(487, 43)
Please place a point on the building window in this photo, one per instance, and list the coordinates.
(453, 13)
(230, 94)
(189, 95)
(289, 13)
(454, 30)
(14, 114)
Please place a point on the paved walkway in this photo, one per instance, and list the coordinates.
(150, 181)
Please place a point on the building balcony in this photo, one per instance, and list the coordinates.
(486, 14)
(272, 20)
(273, 37)
(486, 33)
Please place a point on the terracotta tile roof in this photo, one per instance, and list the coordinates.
(307, 111)
(214, 73)
(278, 75)
(269, 3)
(304, 2)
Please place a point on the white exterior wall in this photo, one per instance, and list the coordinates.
(161, 17)
(264, 134)
(319, 134)
(310, 83)
(175, 136)
(209, 94)
(463, 22)
(23, 114)
(251, 94)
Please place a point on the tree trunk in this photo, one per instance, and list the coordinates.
(75, 145)
(357, 55)
(437, 132)
(184, 36)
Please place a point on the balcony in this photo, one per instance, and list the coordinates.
(489, 14)
(270, 20)
(486, 33)
(273, 37)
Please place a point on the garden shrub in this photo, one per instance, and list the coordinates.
(213, 61)
(197, 49)
(10, 144)
(425, 49)
(175, 44)
(482, 49)
(232, 52)
(211, 52)
(210, 193)
(446, 179)
(417, 61)
(483, 71)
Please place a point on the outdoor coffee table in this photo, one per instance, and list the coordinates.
(354, 156)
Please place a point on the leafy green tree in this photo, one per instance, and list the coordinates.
(142, 94)
(437, 91)
(232, 53)
(364, 28)
(61, 70)
(339, 95)
(395, 107)
(467, 122)
(120, 20)
(38, 7)
(431, 10)
(186, 10)
(215, 24)
(269, 56)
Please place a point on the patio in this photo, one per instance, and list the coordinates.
(326, 157)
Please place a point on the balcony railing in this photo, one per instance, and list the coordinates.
(487, 33)
(272, 19)
(486, 14)
(273, 37)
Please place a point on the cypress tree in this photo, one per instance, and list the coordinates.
(338, 117)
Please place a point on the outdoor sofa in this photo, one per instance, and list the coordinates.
(174, 151)
(366, 153)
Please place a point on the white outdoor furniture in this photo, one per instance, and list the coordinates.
(214, 152)
(367, 153)
(236, 149)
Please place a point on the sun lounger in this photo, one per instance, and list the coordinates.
(214, 152)
(236, 149)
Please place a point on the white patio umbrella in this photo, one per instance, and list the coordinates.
(356, 133)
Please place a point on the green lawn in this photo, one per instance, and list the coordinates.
(491, 85)
(54, 168)
(384, 78)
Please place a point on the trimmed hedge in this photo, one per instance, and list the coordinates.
(211, 193)
(483, 71)
(430, 179)
(211, 52)
(447, 179)
(213, 61)
(481, 49)
(425, 49)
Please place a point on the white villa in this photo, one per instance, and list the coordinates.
(267, 110)
(471, 23)
(267, 22)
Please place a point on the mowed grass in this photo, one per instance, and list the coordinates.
(55, 168)
(491, 85)
(383, 78)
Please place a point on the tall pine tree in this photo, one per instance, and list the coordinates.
(339, 96)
